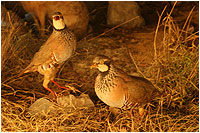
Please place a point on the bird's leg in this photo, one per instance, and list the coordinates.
(45, 85)
(52, 92)
(141, 112)
(62, 87)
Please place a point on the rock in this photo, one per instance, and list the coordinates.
(75, 14)
(71, 102)
(119, 12)
(42, 106)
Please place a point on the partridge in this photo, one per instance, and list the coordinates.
(58, 48)
(118, 89)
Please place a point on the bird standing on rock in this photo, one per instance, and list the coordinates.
(118, 89)
(54, 52)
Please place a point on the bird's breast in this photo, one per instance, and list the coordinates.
(109, 92)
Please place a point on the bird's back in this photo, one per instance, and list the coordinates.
(139, 89)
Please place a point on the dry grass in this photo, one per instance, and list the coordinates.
(174, 71)
(10, 43)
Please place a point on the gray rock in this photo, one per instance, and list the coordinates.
(119, 12)
(42, 106)
(72, 102)
(69, 103)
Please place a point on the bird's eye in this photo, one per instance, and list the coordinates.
(56, 17)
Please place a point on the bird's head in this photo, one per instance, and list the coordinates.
(58, 21)
(102, 63)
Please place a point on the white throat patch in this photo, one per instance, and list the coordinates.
(102, 67)
(59, 24)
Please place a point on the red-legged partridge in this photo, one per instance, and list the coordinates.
(54, 52)
(118, 89)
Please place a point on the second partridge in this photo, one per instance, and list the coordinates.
(118, 89)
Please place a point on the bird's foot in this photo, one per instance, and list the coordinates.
(137, 116)
(62, 87)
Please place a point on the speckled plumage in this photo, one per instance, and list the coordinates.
(118, 89)
(54, 52)
(61, 44)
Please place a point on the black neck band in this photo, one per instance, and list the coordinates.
(60, 29)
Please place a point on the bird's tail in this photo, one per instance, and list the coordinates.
(26, 70)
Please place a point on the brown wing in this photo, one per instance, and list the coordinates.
(44, 53)
(40, 57)
(139, 89)
(54, 46)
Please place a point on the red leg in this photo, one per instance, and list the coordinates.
(54, 94)
(60, 86)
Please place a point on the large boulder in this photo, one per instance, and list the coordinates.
(75, 13)
(122, 11)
